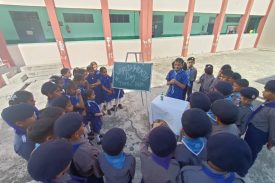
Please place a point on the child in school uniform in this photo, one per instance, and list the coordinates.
(248, 95)
(63, 102)
(85, 159)
(159, 166)
(225, 88)
(42, 130)
(50, 162)
(228, 158)
(80, 82)
(206, 79)
(20, 117)
(23, 96)
(94, 114)
(226, 75)
(117, 166)
(177, 80)
(226, 114)
(192, 148)
(218, 78)
(235, 77)
(261, 128)
(52, 91)
(200, 100)
(59, 81)
(66, 74)
(108, 92)
(237, 86)
(93, 79)
(192, 75)
(74, 94)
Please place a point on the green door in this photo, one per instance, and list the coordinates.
(157, 29)
(28, 26)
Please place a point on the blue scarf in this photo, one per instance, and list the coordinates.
(219, 178)
(195, 146)
(116, 161)
(162, 161)
(212, 117)
(18, 130)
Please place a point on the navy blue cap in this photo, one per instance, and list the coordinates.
(229, 152)
(50, 159)
(60, 101)
(214, 95)
(225, 110)
(200, 100)
(114, 141)
(196, 123)
(249, 92)
(66, 125)
(48, 87)
(242, 82)
(191, 58)
(224, 88)
(270, 85)
(18, 112)
(236, 76)
(162, 141)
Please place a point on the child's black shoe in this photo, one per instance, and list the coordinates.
(109, 112)
(120, 106)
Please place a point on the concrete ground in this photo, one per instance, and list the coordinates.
(255, 65)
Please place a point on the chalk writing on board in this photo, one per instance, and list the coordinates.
(135, 76)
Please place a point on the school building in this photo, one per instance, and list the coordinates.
(76, 32)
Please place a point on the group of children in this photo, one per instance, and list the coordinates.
(57, 144)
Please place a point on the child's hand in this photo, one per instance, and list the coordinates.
(173, 81)
(159, 124)
(269, 145)
(110, 92)
(78, 92)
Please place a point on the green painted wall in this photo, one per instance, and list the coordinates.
(169, 27)
(253, 24)
(81, 31)
(200, 28)
(126, 30)
(7, 26)
(226, 24)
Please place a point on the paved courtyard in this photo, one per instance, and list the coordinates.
(257, 66)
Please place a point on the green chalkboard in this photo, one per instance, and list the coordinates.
(132, 75)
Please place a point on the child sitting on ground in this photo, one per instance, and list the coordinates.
(117, 166)
(94, 115)
(51, 161)
(52, 91)
(228, 157)
(261, 128)
(177, 80)
(66, 75)
(226, 114)
(42, 130)
(108, 92)
(20, 117)
(248, 95)
(237, 86)
(206, 79)
(85, 159)
(159, 166)
(192, 149)
(75, 96)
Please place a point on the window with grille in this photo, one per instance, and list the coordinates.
(178, 19)
(78, 18)
(119, 18)
(196, 19)
(232, 19)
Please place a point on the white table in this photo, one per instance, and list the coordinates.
(170, 110)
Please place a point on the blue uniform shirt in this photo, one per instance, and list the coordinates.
(175, 91)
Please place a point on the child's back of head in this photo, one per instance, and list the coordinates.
(229, 153)
(224, 87)
(208, 69)
(50, 160)
(200, 100)
(225, 111)
(22, 96)
(114, 141)
(63, 102)
(214, 95)
(196, 123)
